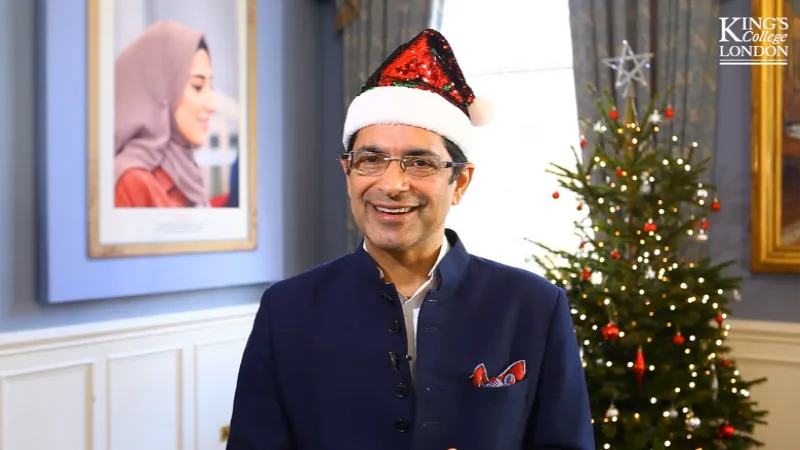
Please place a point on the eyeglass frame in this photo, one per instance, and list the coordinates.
(348, 156)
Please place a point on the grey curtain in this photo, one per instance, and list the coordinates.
(682, 35)
(371, 30)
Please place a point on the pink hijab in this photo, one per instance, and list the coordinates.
(151, 75)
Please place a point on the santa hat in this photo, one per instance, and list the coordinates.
(420, 85)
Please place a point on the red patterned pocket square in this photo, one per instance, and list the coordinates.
(513, 374)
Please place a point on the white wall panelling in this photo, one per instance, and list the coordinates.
(772, 350)
(163, 383)
(167, 382)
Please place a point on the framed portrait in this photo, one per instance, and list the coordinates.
(775, 157)
(171, 128)
(147, 176)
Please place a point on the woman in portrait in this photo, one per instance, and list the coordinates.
(163, 104)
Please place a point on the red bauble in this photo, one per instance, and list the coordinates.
(639, 366)
(726, 362)
(613, 114)
(556, 195)
(579, 207)
(581, 245)
(669, 112)
(719, 319)
(716, 205)
(678, 339)
(615, 254)
(649, 226)
(619, 172)
(704, 224)
(586, 274)
(727, 430)
(611, 332)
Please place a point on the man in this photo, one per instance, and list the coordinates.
(410, 342)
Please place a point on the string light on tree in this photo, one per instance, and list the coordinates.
(651, 318)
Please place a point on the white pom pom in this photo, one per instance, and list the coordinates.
(481, 111)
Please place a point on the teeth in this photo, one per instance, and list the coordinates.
(393, 211)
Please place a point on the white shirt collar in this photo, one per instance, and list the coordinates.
(442, 252)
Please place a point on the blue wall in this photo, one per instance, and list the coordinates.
(313, 113)
(772, 297)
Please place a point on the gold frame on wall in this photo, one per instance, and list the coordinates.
(768, 254)
(96, 249)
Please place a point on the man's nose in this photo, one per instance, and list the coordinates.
(394, 180)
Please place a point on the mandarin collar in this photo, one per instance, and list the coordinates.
(452, 263)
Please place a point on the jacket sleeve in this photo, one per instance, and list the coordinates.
(561, 418)
(259, 420)
(137, 188)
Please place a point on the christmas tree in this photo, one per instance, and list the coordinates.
(649, 305)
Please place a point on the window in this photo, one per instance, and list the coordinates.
(517, 53)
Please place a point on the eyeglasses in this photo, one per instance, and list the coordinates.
(370, 163)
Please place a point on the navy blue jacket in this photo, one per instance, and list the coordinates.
(316, 372)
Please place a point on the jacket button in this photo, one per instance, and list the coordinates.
(402, 425)
(394, 326)
(401, 390)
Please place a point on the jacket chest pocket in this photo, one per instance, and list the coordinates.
(493, 418)
(487, 396)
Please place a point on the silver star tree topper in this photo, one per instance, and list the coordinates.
(625, 76)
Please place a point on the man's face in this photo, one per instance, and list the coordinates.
(429, 198)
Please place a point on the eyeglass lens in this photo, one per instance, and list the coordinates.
(374, 164)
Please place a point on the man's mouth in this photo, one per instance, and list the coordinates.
(394, 211)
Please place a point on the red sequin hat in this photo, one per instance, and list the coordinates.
(420, 85)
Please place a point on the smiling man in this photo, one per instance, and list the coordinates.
(410, 342)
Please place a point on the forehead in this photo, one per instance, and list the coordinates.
(201, 60)
(396, 139)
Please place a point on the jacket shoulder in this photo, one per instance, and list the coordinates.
(518, 282)
(306, 283)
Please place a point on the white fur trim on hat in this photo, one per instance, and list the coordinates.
(397, 105)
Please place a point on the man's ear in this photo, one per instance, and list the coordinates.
(346, 169)
(462, 183)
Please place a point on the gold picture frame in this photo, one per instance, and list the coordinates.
(771, 250)
(246, 223)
